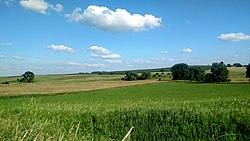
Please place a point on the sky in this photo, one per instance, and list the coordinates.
(72, 36)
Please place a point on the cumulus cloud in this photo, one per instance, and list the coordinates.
(234, 37)
(186, 50)
(60, 48)
(10, 57)
(36, 5)
(100, 52)
(6, 44)
(113, 21)
(40, 6)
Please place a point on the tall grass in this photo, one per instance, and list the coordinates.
(213, 120)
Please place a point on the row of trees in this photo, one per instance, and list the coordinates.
(182, 71)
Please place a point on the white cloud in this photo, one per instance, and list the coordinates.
(233, 37)
(113, 61)
(60, 48)
(40, 6)
(164, 52)
(113, 21)
(73, 63)
(6, 44)
(10, 57)
(186, 50)
(57, 7)
(36, 5)
(97, 65)
(100, 52)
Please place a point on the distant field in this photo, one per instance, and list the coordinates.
(51, 84)
(237, 74)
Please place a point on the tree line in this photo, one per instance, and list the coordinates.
(218, 73)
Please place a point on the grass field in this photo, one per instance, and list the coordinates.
(157, 111)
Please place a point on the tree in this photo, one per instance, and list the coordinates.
(219, 72)
(209, 78)
(28, 76)
(180, 71)
(196, 74)
(131, 76)
(237, 65)
(248, 71)
(144, 76)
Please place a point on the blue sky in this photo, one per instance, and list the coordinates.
(56, 36)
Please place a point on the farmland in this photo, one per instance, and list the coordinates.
(164, 110)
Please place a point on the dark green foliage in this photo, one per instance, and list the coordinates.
(248, 71)
(28, 76)
(196, 74)
(209, 78)
(144, 76)
(184, 72)
(131, 76)
(180, 71)
(219, 72)
(237, 65)
(229, 65)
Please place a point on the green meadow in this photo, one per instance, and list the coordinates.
(165, 110)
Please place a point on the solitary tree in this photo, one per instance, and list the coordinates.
(180, 71)
(248, 71)
(219, 72)
(28, 76)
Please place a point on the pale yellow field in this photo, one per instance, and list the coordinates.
(65, 83)
(237, 74)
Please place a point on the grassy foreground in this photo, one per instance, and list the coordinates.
(163, 111)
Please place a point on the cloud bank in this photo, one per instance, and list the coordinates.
(234, 37)
(10, 57)
(113, 21)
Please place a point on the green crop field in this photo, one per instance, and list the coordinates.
(164, 110)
